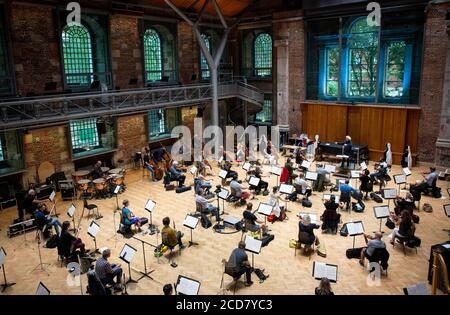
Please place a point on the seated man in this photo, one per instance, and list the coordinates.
(252, 219)
(205, 206)
(177, 175)
(430, 180)
(202, 186)
(107, 272)
(263, 185)
(227, 167)
(42, 220)
(366, 182)
(406, 203)
(380, 171)
(31, 203)
(373, 242)
(170, 237)
(237, 189)
(346, 192)
(128, 217)
(302, 187)
(98, 173)
(238, 264)
(330, 217)
(322, 178)
(290, 170)
(306, 226)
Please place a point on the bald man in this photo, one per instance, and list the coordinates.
(373, 242)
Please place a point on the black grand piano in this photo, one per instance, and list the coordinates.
(360, 151)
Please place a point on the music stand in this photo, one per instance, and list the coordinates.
(53, 200)
(149, 206)
(313, 216)
(276, 170)
(355, 175)
(71, 214)
(381, 212)
(41, 265)
(191, 223)
(389, 194)
(194, 171)
(363, 166)
(416, 289)
(145, 273)
(42, 289)
(323, 270)
(127, 254)
(253, 246)
(254, 181)
(312, 176)
(2, 264)
(287, 190)
(330, 168)
(305, 164)
(92, 231)
(400, 179)
(354, 229)
(223, 194)
(187, 286)
(223, 174)
(265, 209)
(337, 198)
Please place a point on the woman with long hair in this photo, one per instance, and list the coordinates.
(324, 287)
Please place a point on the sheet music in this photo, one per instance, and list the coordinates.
(418, 289)
(306, 164)
(223, 174)
(254, 181)
(323, 270)
(221, 159)
(328, 197)
(400, 179)
(193, 170)
(330, 168)
(311, 176)
(150, 205)
(71, 211)
(313, 216)
(93, 229)
(52, 196)
(42, 289)
(190, 222)
(2, 256)
(187, 286)
(381, 212)
(223, 194)
(252, 245)
(117, 189)
(127, 253)
(355, 174)
(390, 193)
(406, 171)
(363, 166)
(265, 209)
(355, 228)
(276, 170)
(447, 210)
(286, 189)
(246, 166)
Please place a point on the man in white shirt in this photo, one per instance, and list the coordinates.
(206, 207)
(302, 186)
(381, 171)
(237, 189)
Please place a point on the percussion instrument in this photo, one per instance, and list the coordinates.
(99, 184)
(83, 184)
(116, 171)
(78, 175)
(105, 169)
(118, 180)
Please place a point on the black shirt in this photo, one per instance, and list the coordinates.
(249, 216)
(331, 205)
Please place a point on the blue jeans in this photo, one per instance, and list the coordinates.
(117, 273)
(56, 224)
(214, 211)
(151, 170)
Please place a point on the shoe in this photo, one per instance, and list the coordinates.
(361, 263)
(118, 287)
(249, 283)
(182, 246)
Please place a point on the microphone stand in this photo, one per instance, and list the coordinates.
(145, 273)
(41, 265)
(6, 284)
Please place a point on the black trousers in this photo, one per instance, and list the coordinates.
(248, 273)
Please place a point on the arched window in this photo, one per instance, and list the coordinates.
(362, 58)
(77, 55)
(152, 55)
(203, 63)
(263, 55)
(2, 157)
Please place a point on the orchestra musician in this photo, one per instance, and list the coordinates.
(31, 203)
(128, 217)
(176, 174)
(347, 150)
(97, 173)
(70, 242)
(146, 163)
(262, 185)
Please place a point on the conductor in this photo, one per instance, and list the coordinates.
(347, 151)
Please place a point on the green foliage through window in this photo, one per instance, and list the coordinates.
(265, 115)
(77, 54)
(203, 63)
(263, 55)
(394, 69)
(157, 122)
(84, 133)
(152, 55)
(332, 56)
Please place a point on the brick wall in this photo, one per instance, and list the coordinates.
(126, 50)
(187, 117)
(131, 137)
(435, 44)
(188, 53)
(35, 47)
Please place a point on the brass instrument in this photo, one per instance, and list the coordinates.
(440, 273)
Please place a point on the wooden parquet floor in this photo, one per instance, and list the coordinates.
(288, 274)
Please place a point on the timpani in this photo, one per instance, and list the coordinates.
(78, 175)
(116, 171)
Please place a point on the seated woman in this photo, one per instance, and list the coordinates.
(366, 182)
(380, 171)
(330, 217)
(263, 185)
(305, 225)
(252, 219)
(406, 203)
(324, 287)
(69, 243)
(128, 217)
(274, 201)
(237, 189)
(405, 226)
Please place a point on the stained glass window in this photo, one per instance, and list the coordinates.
(84, 133)
(263, 55)
(362, 61)
(2, 157)
(203, 63)
(77, 54)
(394, 69)
(157, 122)
(152, 55)
(266, 114)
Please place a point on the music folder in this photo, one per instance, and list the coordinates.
(381, 212)
(265, 208)
(276, 170)
(313, 216)
(286, 189)
(311, 176)
(330, 168)
(193, 170)
(328, 197)
(416, 289)
(323, 270)
(447, 210)
(246, 166)
(150, 205)
(389, 193)
(223, 174)
(2, 256)
(187, 286)
(252, 245)
(223, 194)
(42, 289)
(406, 171)
(306, 164)
(355, 228)
(190, 222)
(93, 229)
(52, 196)
(253, 181)
(363, 166)
(127, 253)
(400, 179)
(354, 174)
(71, 211)
(117, 189)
